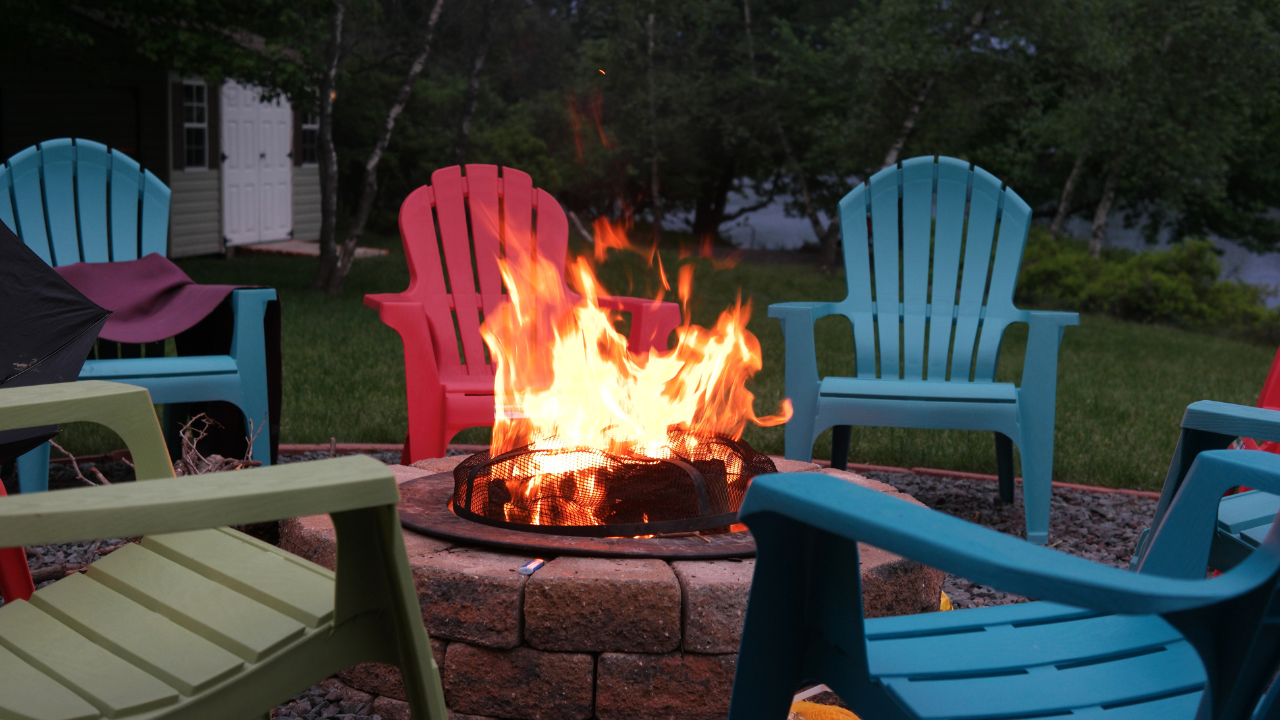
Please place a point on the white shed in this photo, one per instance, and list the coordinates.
(242, 170)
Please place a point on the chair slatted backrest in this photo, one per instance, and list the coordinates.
(931, 250)
(77, 201)
(481, 217)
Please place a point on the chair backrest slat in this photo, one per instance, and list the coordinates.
(28, 202)
(857, 269)
(1015, 222)
(917, 226)
(984, 206)
(125, 189)
(154, 234)
(937, 318)
(455, 241)
(58, 165)
(484, 205)
(93, 168)
(885, 194)
(952, 190)
(517, 219)
(552, 237)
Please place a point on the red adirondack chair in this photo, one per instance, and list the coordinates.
(448, 379)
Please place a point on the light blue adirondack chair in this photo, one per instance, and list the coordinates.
(926, 346)
(76, 201)
(1102, 644)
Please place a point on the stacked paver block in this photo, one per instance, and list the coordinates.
(616, 639)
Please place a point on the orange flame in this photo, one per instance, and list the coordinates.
(607, 236)
(566, 381)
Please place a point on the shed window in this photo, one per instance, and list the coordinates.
(310, 139)
(195, 124)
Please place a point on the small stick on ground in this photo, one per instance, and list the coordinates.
(75, 465)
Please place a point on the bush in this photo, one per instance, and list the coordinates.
(1179, 286)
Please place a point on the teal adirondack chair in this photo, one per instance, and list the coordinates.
(76, 201)
(201, 622)
(1102, 644)
(926, 346)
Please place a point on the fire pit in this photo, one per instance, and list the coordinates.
(592, 493)
(594, 503)
(611, 628)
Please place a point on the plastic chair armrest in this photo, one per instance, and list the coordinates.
(801, 357)
(843, 509)
(235, 498)
(409, 319)
(651, 322)
(1234, 420)
(125, 409)
(1044, 339)
(1053, 317)
(376, 300)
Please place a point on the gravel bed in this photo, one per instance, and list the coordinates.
(1101, 527)
(318, 703)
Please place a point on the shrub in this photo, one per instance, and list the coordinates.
(1179, 286)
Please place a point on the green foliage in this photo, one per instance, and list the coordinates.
(1180, 286)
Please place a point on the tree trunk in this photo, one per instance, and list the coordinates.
(1104, 208)
(347, 253)
(913, 113)
(1064, 205)
(828, 235)
(473, 85)
(655, 185)
(712, 197)
(909, 124)
(328, 155)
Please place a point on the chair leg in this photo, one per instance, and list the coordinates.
(33, 470)
(840, 436)
(1037, 487)
(798, 435)
(1004, 466)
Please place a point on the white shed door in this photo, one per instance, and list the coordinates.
(257, 172)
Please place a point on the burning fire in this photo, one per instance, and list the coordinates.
(566, 382)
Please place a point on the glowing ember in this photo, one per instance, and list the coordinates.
(568, 390)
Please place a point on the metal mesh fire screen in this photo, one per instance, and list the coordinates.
(588, 492)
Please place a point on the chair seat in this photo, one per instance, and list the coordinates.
(919, 390)
(1035, 659)
(151, 628)
(1244, 520)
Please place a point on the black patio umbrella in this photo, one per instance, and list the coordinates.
(47, 329)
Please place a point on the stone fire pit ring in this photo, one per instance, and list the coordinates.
(424, 509)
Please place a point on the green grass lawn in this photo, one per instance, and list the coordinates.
(1122, 387)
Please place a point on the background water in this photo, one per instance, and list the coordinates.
(771, 228)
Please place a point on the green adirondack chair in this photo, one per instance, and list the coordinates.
(931, 254)
(200, 621)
